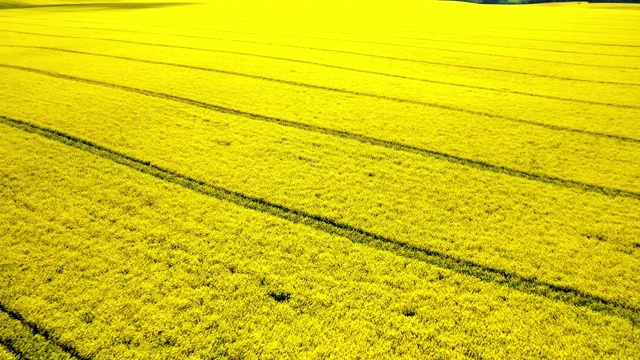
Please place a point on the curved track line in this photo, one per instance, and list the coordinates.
(607, 191)
(530, 285)
(7, 344)
(393, 58)
(358, 93)
(38, 330)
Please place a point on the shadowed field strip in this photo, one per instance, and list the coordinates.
(376, 56)
(34, 329)
(529, 285)
(502, 56)
(359, 93)
(608, 191)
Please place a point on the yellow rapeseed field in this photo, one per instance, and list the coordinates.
(286, 179)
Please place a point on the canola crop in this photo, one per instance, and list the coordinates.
(327, 180)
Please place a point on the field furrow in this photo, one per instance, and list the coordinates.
(7, 352)
(26, 340)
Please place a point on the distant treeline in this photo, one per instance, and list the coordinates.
(545, 1)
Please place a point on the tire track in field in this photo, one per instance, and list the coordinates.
(377, 96)
(479, 164)
(7, 344)
(502, 56)
(375, 56)
(530, 285)
(38, 330)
